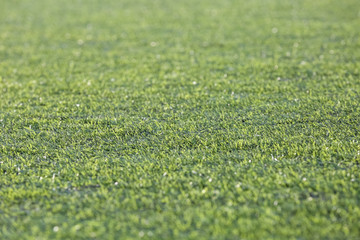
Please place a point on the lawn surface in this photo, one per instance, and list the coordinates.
(179, 119)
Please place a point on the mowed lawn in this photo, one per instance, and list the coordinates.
(163, 119)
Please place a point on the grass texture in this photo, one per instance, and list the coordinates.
(179, 119)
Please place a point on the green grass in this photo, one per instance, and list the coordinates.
(179, 119)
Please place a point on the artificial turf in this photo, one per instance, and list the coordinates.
(179, 119)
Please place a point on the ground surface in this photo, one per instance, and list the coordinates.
(179, 119)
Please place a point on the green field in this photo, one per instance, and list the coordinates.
(231, 119)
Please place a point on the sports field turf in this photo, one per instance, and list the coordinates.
(161, 119)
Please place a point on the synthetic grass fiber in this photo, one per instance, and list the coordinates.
(182, 119)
